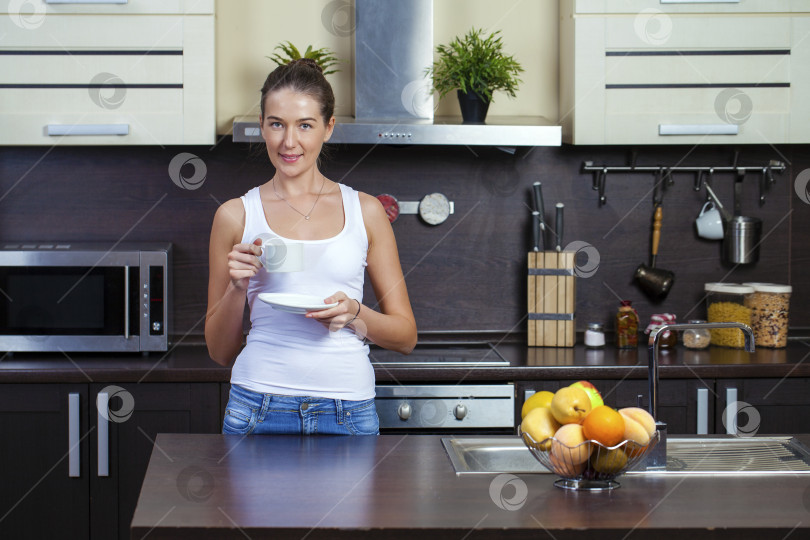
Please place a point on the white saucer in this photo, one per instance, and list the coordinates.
(295, 303)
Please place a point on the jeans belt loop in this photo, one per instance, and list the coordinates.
(339, 410)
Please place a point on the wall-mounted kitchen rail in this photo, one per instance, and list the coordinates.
(702, 174)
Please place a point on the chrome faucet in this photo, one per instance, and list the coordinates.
(657, 458)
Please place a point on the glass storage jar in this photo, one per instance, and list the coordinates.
(594, 336)
(769, 313)
(669, 338)
(725, 302)
(626, 326)
(696, 338)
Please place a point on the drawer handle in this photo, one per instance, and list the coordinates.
(698, 129)
(86, 1)
(87, 129)
(74, 439)
(700, 1)
(703, 411)
(103, 406)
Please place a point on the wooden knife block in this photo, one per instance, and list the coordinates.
(552, 299)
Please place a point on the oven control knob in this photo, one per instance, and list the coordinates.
(460, 411)
(404, 411)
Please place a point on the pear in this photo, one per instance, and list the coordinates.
(540, 424)
(570, 405)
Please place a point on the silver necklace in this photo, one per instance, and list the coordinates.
(306, 216)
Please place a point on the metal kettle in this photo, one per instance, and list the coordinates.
(741, 237)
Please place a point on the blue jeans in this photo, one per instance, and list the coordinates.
(250, 412)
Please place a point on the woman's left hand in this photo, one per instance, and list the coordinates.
(339, 316)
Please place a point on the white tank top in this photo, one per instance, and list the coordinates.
(287, 353)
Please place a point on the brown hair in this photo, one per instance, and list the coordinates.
(305, 76)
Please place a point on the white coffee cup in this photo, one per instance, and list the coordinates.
(280, 254)
(709, 222)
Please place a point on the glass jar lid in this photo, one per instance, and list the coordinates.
(728, 288)
(595, 326)
(772, 288)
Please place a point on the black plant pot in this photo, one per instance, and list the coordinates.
(473, 107)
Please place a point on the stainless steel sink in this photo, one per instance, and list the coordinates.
(692, 455)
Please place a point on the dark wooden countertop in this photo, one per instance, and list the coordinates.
(460, 362)
(404, 486)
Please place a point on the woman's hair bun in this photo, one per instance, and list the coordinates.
(308, 62)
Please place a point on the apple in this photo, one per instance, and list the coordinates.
(593, 393)
(538, 399)
(570, 405)
(540, 425)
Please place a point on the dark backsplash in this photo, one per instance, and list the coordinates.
(467, 275)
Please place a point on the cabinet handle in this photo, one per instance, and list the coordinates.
(703, 411)
(700, 1)
(731, 411)
(86, 1)
(126, 302)
(698, 129)
(103, 404)
(87, 129)
(74, 425)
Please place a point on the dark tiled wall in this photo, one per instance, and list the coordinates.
(467, 274)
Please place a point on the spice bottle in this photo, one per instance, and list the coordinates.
(594, 336)
(697, 338)
(669, 338)
(626, 326)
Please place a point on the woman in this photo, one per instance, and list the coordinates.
(303, 373)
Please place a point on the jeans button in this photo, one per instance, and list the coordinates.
(304, 406)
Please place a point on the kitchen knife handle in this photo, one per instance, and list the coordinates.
(559, 225)
(656, 235)
(538, 203)
(74, 439)
(103, 406)
(536, 231)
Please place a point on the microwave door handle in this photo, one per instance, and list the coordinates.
(126, 302)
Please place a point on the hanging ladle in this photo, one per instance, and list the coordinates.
(655, 282)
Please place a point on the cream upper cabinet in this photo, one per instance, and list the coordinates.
(670, 72)
(136, 72)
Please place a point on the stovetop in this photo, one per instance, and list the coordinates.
(468, 354)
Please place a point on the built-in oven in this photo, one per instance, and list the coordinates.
(84, 297)
(443, 407)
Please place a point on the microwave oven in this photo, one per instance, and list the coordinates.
(85, 297)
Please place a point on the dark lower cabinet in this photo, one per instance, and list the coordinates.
(40, 499)
(763, 406)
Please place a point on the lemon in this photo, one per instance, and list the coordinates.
(538, 399)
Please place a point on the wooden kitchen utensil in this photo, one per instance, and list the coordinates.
(551, 299)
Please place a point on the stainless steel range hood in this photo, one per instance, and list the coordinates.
(393, 45)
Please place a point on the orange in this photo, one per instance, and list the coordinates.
(604, 425)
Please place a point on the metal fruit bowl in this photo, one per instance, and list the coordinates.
(597, 471)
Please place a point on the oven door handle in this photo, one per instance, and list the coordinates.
(126, 302)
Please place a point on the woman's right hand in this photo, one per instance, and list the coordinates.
(243, 263)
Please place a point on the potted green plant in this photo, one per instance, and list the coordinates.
(475, 66)
(324, 57)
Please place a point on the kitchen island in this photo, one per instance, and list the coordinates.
(404, 486)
